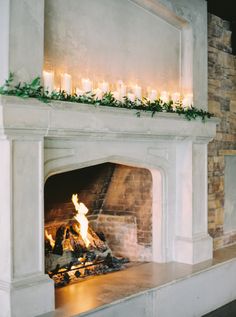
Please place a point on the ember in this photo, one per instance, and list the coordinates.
(74, 251)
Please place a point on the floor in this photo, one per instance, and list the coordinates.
(106, 289)
(228, 310)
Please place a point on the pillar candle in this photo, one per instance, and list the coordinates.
(137, 90)
(152, 96)
(104, 86)
(131, 97)
(121, 88)
(187, 101)
(116, 95)
(66, 83)
(48, 81)
(79, 92)
(98, 93)
(86, 84)
(175, 97)
(164, 97)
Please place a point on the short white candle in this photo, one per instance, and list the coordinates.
(187, 101)
(175, 97)
(86, 84)
(79, 92)
(66, 83)
(98, 93)
(164, 97)
(152, 96)
(104, 86)
(131, 96)
(48, 81)
(116, 95)
(137, 90)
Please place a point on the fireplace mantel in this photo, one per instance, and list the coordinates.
(38, 140)
(70, 119)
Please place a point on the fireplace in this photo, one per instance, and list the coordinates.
(45, 141)
(41, 142)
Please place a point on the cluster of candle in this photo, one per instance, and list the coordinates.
(134, 92)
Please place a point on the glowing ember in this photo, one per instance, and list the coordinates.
(50, 239)
(81, 218)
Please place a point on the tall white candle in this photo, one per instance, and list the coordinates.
(121, 88)
(87, 85)
(187, 101)
(152, 96)
(48, 81)
(104, 86)
(137, 90)
(66, 83)
(165, 97)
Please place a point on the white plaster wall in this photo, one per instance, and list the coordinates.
(21, 38)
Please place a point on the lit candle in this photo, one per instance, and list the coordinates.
(104, 86)
(48, 81)
(79, 92)
(116, 95)
(175, 97)
(137, 90)
(66, 83)
(86, 84)
(98, 93)
(164, 97)
(187, 101)
(131, 96)
(152, 96)
(121, 88)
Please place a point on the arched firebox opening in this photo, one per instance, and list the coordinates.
(117, 201)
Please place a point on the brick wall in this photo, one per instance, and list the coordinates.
(119, 199)
(222, 102)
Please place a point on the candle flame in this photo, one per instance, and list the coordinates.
(50, 239)
(81, 218)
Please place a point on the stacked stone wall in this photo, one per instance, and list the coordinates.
(222, 102)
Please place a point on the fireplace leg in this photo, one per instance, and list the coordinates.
(24, 288)
(192, 242)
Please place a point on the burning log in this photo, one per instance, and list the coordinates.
(77, 251)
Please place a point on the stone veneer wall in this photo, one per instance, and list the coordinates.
(222, 102)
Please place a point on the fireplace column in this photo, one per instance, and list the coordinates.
(24, 288)
(192, 242)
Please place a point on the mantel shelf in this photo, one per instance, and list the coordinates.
(54, 119)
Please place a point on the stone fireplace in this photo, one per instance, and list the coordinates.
(41, 142)
(46, 140)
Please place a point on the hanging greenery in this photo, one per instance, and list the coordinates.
(36, 90)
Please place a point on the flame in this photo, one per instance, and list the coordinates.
(50, 239)
(81, 218)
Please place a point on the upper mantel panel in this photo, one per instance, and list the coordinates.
(112, 40)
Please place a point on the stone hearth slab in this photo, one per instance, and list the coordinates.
(152, 289)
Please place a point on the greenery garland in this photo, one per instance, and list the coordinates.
(36, 90)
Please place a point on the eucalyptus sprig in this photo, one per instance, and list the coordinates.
(36, 90)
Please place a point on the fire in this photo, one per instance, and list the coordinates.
(50, 239)
(81, 218)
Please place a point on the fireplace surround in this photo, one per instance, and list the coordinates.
(39, 140)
